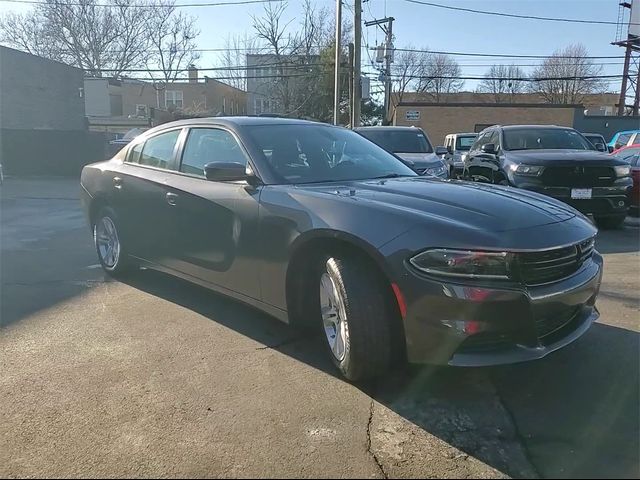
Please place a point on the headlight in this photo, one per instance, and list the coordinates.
(436, 171)
(622, 170)
(533, 170)
(464, 263)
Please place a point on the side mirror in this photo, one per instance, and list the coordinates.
(441, 151)
(610, 148)
(601, 147)
(450, 150)
(225, 171)
(489, 148)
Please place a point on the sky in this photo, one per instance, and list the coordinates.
(444, 30)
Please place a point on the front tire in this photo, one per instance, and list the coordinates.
(108, 242)
(355, 317)
(610, 223)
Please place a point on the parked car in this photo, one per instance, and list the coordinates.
(598, 142)
(624, 138)
(457, 145)
(555, 161)
(412, 145)
(116, 145)
(630, 154)
(331, 230)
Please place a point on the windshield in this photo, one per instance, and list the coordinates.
(464, 143)
(319, 153)
(399, 141)
(544, 139)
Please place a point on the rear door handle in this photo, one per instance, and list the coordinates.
(171, 198)
(117, 182)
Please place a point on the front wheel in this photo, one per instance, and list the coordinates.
(108, 243)
(355, 322)
(610, 223)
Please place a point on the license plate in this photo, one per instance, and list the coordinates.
(580, 193)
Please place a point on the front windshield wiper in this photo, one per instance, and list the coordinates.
(390, 175)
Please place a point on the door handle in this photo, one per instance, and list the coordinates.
(171, 198)
(117, 182)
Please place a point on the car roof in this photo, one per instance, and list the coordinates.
(470, 134)
(627, 131)
(513, 127)
(388, 128)
(594, 134)
(233, 122)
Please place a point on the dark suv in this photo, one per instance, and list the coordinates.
(555, 161)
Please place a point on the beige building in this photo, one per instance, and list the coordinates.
(440, 119)
(118, 105)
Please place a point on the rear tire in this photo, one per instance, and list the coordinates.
(610, 223)
(108, 242)
(354, 314)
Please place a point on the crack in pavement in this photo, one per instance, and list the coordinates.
(371, 452)
(518, 435)
(282, 343)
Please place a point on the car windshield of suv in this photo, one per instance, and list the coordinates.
(399, 141)
(317, 153)
(464, 143)
(544, 139)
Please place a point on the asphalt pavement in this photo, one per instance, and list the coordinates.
(154, 377)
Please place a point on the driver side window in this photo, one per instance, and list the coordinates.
(209, 145)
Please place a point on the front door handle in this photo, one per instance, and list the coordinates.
(171, 198)
(117, 182)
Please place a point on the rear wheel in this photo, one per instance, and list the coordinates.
(355, 323)
(108, 242)
(610, 223)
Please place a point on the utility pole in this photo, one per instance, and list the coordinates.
(351, 89)
(357, 86)
(388, 58)
(336, 89)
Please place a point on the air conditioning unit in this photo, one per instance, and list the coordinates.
(142, 111)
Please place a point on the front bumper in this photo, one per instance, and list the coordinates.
(510, 324)
(604, 201)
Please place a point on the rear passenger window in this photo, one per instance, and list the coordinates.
(134, 153)
(209, 145)
(158, 150)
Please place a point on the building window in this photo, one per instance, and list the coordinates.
(173, 98)
(262, 105)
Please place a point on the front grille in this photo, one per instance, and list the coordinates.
(578, 176)
(549, 265)
(548, 325)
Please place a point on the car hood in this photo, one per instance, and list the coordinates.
(465, 204)
(421, 160)
(559, 157)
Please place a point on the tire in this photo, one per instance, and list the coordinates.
(354, 309)
(610, 223)
(108, 242)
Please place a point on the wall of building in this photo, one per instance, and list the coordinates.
(440, 119)
(607, 126)
(42, 117)
(36, 93)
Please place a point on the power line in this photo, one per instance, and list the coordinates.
(284, 66)
(514, 15)
(177, 5)
(499, 55)
(515, 79)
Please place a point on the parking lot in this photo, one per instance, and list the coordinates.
(155, 377)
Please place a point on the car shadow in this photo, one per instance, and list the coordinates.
(624, 240)
(574, 412)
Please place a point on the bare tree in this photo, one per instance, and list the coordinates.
(567, 76)
(233, 59)
(408, 67)
(502, 82)
(172, 41)
(440, 77)
(103, 39)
